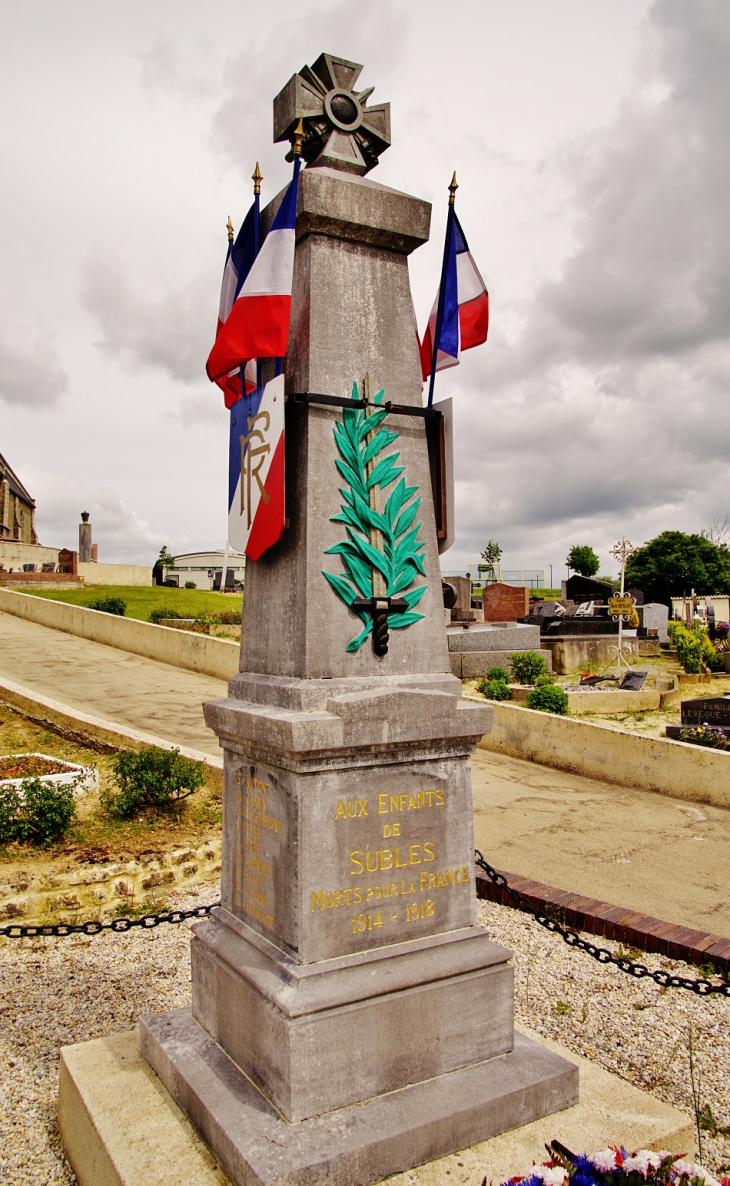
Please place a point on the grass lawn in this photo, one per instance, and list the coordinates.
(142, 599)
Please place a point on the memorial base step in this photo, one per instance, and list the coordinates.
(360, 1144)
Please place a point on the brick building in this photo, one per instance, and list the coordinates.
(17, 508)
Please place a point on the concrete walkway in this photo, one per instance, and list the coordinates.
(105, 682)
(649, 852)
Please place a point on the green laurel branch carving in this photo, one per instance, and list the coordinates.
(360, 440)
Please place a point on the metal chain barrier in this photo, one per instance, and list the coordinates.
(703, 988)
(62, 930)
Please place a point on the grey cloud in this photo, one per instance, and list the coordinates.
(607, 411)
(165, 326)
(202, 411)
(651, 274)
(252, 78)
(121, 533)
(30, 372)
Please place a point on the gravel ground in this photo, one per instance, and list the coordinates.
(57, 991)
(633, 1028)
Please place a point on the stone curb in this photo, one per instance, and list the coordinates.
(613, 922)
(100, 734)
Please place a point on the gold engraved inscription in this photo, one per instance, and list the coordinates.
(378, 903)
(253, 880)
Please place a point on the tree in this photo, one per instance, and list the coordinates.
(581, 558)
(674, 564)
(165, 558)
(492, 555)
(718, 533)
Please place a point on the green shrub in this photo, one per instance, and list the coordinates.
(109, 605)
(543, 681)
(494, 689)
(36, 810)
(527, 666)
(151, 778)
(689, 644)
(498, 673)
(548, 698)
(190, 585)
(163, 612)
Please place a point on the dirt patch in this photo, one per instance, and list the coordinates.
(29, 766)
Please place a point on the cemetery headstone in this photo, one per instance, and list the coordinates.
(68, 561)
(655, 616)
(449, 593)
(505, 603)
(579, 588)
(345, 964)
(707, 710)
(462, 611)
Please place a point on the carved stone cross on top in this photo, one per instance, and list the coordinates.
(340, 130)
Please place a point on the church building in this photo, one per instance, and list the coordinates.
(17, 508)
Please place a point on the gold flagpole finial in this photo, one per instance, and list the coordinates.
(229, 228)
(298, 137)
(452, 189)
(257, 177)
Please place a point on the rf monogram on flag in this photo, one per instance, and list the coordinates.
(252, 460)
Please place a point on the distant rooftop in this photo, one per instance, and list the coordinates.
(8, 474)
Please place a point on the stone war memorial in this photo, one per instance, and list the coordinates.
(349, 1018)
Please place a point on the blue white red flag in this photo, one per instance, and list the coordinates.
(463, 319)
(240, 257)
(256, 470)
(257, 324)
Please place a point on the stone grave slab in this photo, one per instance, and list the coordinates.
(505, 603)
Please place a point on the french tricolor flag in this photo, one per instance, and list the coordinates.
(239, 260)
(257, 323)
(460, 315)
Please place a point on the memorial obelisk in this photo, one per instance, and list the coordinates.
(344, 966)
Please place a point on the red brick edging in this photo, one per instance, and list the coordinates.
(613, 922)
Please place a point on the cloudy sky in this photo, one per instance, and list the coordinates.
(591, 145)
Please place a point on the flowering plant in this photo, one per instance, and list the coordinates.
(722, 629)
(614, 1167)
(712, 736)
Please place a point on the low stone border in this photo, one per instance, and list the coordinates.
(612, 922)
(79, 890)
(601, 700)
(82, 778)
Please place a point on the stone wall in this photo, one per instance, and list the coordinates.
(115, 574)
(196, 652)
(596, 751)
(75, 891)
(14, 554)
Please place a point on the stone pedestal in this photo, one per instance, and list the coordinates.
(349, 1019)
(344, 966)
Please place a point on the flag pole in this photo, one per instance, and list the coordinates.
(296, 147)
(257, 178)
(442, 288)
(231, 236)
